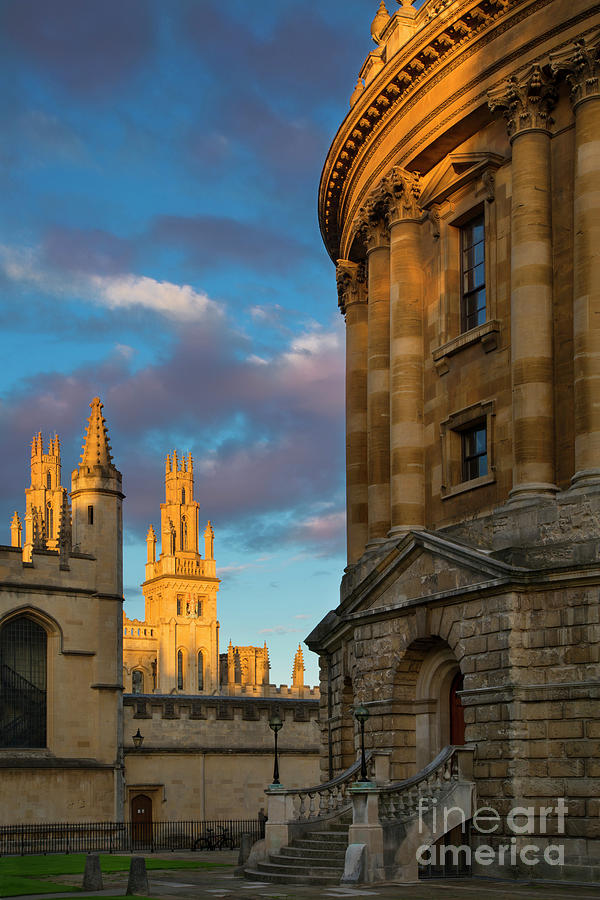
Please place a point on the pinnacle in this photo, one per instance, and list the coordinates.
(96, 450)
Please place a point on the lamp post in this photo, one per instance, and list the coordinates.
(275, 724)
(361, 714)
(138, 739)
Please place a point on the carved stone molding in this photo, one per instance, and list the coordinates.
(580, 64)
(525, 100)
(351, 283)
(372, 222)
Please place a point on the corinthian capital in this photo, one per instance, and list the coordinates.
(402, 191)
(580, 63)
(350, 278)
(372, 220)
(526, 101)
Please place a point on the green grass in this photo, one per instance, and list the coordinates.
(19, 875)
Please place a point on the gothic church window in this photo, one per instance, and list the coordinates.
(23, 652)
(183, 533)
(137, 682)
(180, 670)
(49, 521)
(48, 480)
(200, 671)
(182, 495)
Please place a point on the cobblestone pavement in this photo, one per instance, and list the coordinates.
(190, 884)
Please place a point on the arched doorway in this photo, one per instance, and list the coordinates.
(141, 821)
(457, 712)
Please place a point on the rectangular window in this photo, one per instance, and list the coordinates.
(90, 515)
(474, 452)
(472, 271)
(179, 605)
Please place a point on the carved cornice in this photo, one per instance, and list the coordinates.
(351, 283)
(580, 64)
(418, 62)
(526, 101)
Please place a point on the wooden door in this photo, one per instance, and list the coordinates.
(141, 821)
(457, 713)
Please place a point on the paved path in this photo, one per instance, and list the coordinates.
(191, 884)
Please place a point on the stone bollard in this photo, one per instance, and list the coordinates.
(92, 875)
(138, 880)
(245, 847)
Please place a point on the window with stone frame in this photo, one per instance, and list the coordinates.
(468, 449)
(23, 683)
(472, 273)
(180, 670)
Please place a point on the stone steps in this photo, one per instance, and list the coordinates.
(316, 858)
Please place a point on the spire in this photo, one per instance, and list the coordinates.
(190, 463)
(298, 670)
(15, 530)
(96, 450)
(209, 542)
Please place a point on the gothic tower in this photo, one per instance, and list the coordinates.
(45, 498)
(97, 505)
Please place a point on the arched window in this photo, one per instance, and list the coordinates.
(183, 533)
(173, 542)
(49, 521)
(180, 670)
(183, 495)
(200, 671)
(137, 682)
(48, 480)
(23, 684)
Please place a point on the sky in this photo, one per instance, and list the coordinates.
(159, 248)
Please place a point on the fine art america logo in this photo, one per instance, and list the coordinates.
(520, 821)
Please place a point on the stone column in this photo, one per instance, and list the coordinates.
(373, 226)
(353, 305)
(527, 103)
(581, 64)
(407, 455)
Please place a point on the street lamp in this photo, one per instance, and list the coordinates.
(138, 739)
(275, 724)
(361, 714)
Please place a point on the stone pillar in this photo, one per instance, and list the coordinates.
(581, 64)
(373, 226)
(353, 305)
(527, 103)
(407, 454)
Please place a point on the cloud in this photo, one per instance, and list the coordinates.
(89, 48)
(91, 251)
(279, 629)
(179, 302)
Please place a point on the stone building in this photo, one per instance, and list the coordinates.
(460, 202)
(61, 595)
(67, 653)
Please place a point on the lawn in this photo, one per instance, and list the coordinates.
(21, 875)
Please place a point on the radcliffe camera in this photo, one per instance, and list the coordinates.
(300, 433)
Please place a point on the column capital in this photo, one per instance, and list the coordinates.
(372, 221)
(526, 101)
(351, 283)
(402, 191)
(579, 62)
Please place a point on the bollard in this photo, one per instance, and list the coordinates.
(92, 875)
(245, 848)
(138, 880)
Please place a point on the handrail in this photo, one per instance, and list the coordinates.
(344, 776)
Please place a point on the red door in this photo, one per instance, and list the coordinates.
(457, 713)
(141, 821)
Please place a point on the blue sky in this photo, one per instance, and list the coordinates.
(159, 247)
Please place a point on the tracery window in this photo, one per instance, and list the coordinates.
(48, 480)
(23, 654)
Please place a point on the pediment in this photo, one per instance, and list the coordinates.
(424, 566)
(455, 171)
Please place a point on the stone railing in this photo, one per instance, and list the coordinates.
(403, 800)
(324, 801)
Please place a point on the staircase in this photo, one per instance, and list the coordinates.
(315, 858)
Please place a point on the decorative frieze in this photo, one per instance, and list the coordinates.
(525, 100)
(580, 64)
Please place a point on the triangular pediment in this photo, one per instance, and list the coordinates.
(423, 566)
(456, 170)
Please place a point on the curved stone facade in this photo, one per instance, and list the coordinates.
(460, 201)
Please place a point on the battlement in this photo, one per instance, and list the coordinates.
(47, 568)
